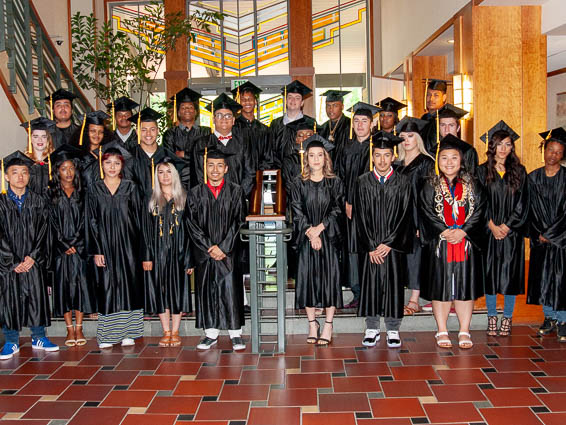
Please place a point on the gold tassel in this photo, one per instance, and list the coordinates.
(425, 94)
(351, 124)
(160, 226)
(238, 95)
(486, 141)
(113, 117)
(51, 105)
(302, 152)
(82, 130)
(30, 146)
(49, 165)
(174, 109)
(212, 120)
(437, 143)
(320, 108)
(395, 151)
(370, 152)
(100, 162)
(3, 179)
(395, 130)
(152, 174)
(138, 129)
(204, 168)
(379, 122)
(314, 127)
(548, 136)
(285, 101)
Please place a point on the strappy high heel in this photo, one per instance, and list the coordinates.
(312, 339)
(492, 325)
(505, 328)
(324, 341)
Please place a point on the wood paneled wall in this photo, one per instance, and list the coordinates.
(176, 65)
(426, 67)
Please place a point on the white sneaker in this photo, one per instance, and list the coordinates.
(393, 339)
(126, 342)
(371, 337)
(104, 345)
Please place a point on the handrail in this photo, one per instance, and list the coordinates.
(35, 67)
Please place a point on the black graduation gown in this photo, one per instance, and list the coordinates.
(140, 164)
(39, 177)
(341, 131)
(72, 290)
(255, 135)
(281, 140)
(131, 142)
(505, 259)
(437, 270)
(115, 232)
(181, 139)
(383, 215)
(240, 165)
(23, 296)
(219, 289)
(419, 169)
(166, 244)
(318, 274)
(63, 135)
(547, 217)
(290, 170)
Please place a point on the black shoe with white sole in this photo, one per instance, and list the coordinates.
(238, 343)
(206, 343)
(393, 339)
(371, 337)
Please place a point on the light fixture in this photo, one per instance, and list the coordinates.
(451, 41)
(463, 93)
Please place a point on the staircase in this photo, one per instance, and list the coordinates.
(30, 66)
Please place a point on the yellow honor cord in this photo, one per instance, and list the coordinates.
(174, 109)
(82, 130)
(51, 105)
(3, 179)
(100, 162)
(370, 152)
(49, 165)
(138, 129)
(113, 117)
(425, 94)
(30, 146)
(204, 165)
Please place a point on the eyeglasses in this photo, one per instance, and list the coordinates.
(223, 116)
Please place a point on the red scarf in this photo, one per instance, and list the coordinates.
(455, 252)
(215, 189)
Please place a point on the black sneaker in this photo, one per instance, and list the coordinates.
(238, 343)
(561, 332)
(206, 343)
(547, 327)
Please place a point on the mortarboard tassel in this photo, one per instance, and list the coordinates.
(370, 152)
(3, 179)
(30, 146)
(351, 124)
(174, 109)
(152, 174)
(212, 120)
(285, 100)
(238, 95)
(320, 108)
(49, 164)
(100, 162)
(82, 130)
(314, 127)
(486, 141)
(302, 152)
(379, 122)
(138, 129)
(425, 94)
(113, 117)
(51, 105)
(161, 226)
(437, 144)
(543, 145)
(204, 165)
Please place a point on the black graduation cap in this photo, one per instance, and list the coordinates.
(95, 117)
(178, 163)
(186, 95)
(247, 86)
(335, 95)
(224, 102)
(450, 111)
(116, 148)
(500, 126)
(316, 141)
(384, 140)
(61, 94)
(65, 152)
(452, 142)
(410, 125)
(303, 123)
(40, 123)
(390, 105)
(436, 84)
(557, 134)
(122, 104)
(365, 109)
(296, 87)
(217, 154)
(146, 115)
(17, 158)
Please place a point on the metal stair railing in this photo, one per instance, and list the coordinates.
(34, 66)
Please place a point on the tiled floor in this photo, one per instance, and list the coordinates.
(520, 380)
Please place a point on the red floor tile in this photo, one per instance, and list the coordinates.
(463, 376)
(293, 397)
(45, 387)
(514, 365)
(512, 397)
(104, 377)
(335, 353)
(157, 383)
(146, 419)
(452, 412)
(219, 372)
(411, 373)
(202, 387)
(210, 356)
(274, 416)
(454, 393)
(75, 372)
(510, 415)
(421, 359)
(512, 380)
(367, 369)
(237, 359)
(329, 419)
(14, 382)
(17, 403)
(244, 392)
(552, 384)
(219, 410)
(396, 408)
(38, 368)
(356, 384)
(99, 415)
(178, 368)
(26, 422)
(174, 405)
(161, 352)
(85, 392)
(553, 418)
(101, 360)
(266, 376)
(299, 350)
(377, 355)
(13, 363)
(280, 362)
(53, 410)
(550, 368)
(514, 352)
(315, 366)
(389, 421)
(345, 402)
(552, 355)
(128, 398)
(466, 362)
(139, 364)
(406, 389)
(309, 380)
(556, 402)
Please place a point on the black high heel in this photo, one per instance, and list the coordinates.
(324, 341)
(312, 339)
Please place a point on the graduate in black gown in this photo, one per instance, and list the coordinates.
(337, 129)
(317, 203)
(417, 164)
(547, 220)
(254, 133)
(435, 97)
(291, 167)
(72, 291)
(114, 210)
(389, 114)
(240, 163)
(121, 111)
(217, 211)
(452, 229)
(148, 153)
(354, 161)
(281, 136)
(505, 183)
(60, 104)
(383, 219)
(23, 231)
(181, 138)
(39, 149)
(167, 254)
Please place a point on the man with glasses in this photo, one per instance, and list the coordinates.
(238, 157)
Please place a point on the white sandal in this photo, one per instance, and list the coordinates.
(466, 344)
(443, 342)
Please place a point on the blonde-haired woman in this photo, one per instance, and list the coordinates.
(167, 260)
(416, 163)
(39, 149)
(316, 201)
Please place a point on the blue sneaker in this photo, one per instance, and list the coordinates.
(44, 344)
(9, 350)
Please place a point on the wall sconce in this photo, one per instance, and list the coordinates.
(408, 110)
(464, 93)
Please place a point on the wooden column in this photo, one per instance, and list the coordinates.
(426, 67)
(177, 66)
(463, 61)
(300, 48)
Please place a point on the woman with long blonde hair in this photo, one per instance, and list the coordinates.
(167, 260)
(316, 201)
(39, 149)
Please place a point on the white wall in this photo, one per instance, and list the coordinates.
(405, 24)
(53, 15)
(13, 136)
(555, 85)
